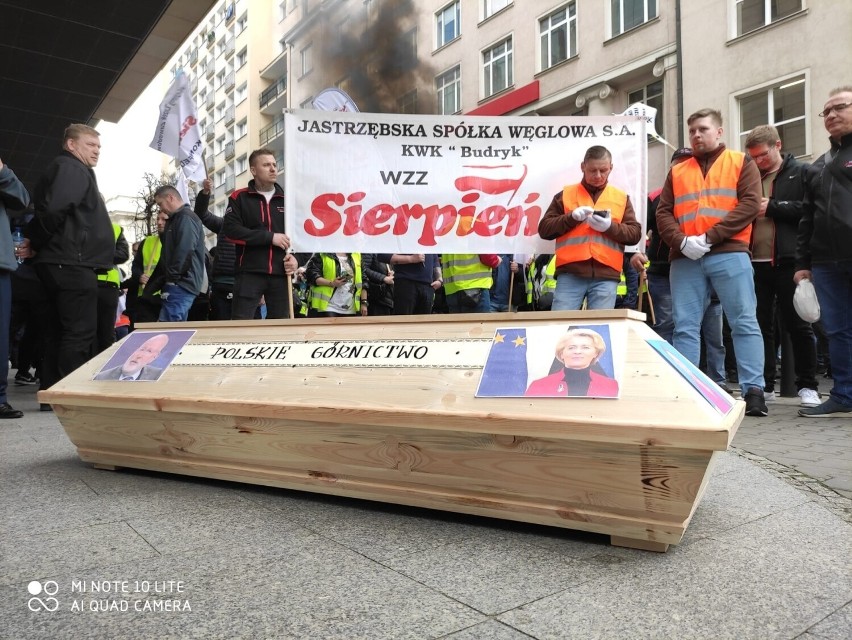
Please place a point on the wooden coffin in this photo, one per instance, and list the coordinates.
(411, 430)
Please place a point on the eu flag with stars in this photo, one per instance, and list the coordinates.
(505, 372)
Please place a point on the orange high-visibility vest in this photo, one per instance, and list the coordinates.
(583, 242)
(702, 201)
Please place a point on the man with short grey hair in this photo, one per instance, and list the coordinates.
(182, 256)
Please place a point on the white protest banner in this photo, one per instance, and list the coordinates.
(391, 183)
(178, 134)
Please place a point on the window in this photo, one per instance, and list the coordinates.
(408, 48)
(242, 23)
(344, 84)
(307, 60)
(558, 36)
(242, 58)
(242, 128)
(407, 103)
(651, 96)
(447, 25)
(220, 78)
(497, 67)
(220, 112)
(306, 104)
(783, 105)
(242, 164)
(220, 144)
(241, 93)
(753, 14)
(448, 88)
(220, 208)
(490, 7)
(627, 14)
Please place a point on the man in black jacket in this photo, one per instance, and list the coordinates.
(254, 222)
(182, 256)
(824, 249)
(73, 239)
(222, 281)
(773, 250)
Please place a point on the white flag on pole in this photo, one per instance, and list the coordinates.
(334, 99)
(178, 134)
(650, 115)
(182, 187)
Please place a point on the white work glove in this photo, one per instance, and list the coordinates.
(694, 247)
(599, 223)
(581, 213)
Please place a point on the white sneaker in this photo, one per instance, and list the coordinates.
(810, 398)
(769, 396)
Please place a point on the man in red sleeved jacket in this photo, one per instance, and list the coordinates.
(254, 222)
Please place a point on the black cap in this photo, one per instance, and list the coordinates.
(683, 152)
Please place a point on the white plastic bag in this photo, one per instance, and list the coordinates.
(805, 301)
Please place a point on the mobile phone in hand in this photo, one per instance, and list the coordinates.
(604, 213)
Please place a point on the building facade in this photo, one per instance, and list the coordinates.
(751, 59)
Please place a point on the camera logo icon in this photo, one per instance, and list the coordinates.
(49, 588)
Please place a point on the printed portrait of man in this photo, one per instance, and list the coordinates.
(144, 356)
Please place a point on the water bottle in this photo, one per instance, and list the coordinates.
(18, 240)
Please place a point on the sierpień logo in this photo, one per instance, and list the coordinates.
(49, 588)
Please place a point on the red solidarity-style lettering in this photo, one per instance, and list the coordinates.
(190, 120)
(438, 220)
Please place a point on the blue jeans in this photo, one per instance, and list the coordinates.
(714, 347)
(661, 295)
(571, 289)
(176, 303)
(833, 284)
(456, 306)
(5, 319)
(731, 276)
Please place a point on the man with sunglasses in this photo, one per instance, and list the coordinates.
(824, 249)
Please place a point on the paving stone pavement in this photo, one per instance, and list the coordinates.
(815, 448)
(768, 555)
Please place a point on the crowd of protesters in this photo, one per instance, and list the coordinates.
(729, 236)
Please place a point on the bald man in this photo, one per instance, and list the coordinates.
(136, 366)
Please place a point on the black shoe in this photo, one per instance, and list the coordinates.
(755, 404)
(831, 408)
(45, 407)
(6, 411)
(22, 379)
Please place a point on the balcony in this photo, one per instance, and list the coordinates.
(230, 13)
(228, 49)
(229, 150)
(229, 82)
(193, 56)
(210, 71)
(229, 115)
(211, 133)
(269, 133)
(211, 39)
(209, 100)
(274, 98)
(229, 184)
